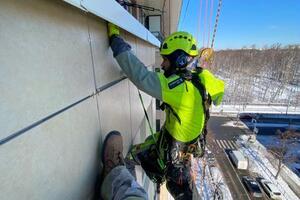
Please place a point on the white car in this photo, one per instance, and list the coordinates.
(270, 189)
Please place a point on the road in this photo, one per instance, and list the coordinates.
(222, 137)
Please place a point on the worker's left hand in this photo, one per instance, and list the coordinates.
(112, 29)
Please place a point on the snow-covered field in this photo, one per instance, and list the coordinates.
(259, 88)
(257, 108)
(293, 149)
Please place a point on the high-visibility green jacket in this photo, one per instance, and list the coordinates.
(180, 94)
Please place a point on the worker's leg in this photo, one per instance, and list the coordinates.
(146, 155)
(179, 180)
(179, 183)
(118, 183)
(179, 192)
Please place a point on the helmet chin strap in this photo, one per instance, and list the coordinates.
(169, 71)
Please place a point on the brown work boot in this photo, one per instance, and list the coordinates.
(112, 152)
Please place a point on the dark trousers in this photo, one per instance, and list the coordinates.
(160, 157)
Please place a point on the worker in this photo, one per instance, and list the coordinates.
(186, 95)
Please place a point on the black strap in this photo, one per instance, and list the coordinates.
(197, 83)
(206, 99)
(164, 106)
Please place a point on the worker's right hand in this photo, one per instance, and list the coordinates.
(206, 57)
(117, 44)
(112, 29)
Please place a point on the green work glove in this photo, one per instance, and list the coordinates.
(112, 29)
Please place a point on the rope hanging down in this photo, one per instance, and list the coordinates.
(199, 23)
(210, 19)
(216, 24)
(205, 20)
(185, 12)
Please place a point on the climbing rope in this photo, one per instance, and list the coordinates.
(209, 21)
(216, 24)
(206, 11)
(146, 115)
(199, 23)
(160, 159)
(205, 22)
(185, 12)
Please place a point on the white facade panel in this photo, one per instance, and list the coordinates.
(111, 11)
(45, 61)
(52, 55)
(138, 120)
(76, 3)
(105, 66)
(56, 160)
(114, 109)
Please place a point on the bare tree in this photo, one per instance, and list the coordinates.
(259, 75)
(280, 152)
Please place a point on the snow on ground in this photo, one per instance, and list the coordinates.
(295, 167)
(293, 149)
(273, 140)
(258, 108)
(237, 124)
(209, 181)
(258, 163)
(258, 88)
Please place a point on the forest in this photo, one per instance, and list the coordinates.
(270, 75)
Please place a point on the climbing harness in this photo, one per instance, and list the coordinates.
(165, 159)
(206, 102)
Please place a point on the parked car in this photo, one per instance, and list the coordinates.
(270, 189)
(252, 186)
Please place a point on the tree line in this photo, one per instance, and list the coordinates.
(267, 75)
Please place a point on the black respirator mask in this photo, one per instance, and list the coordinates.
(179, 61)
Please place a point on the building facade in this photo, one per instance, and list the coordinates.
(62, 92)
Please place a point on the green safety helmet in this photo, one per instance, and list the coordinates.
(179, 40)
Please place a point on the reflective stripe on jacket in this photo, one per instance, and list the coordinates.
(181, 95)
(186, 101)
